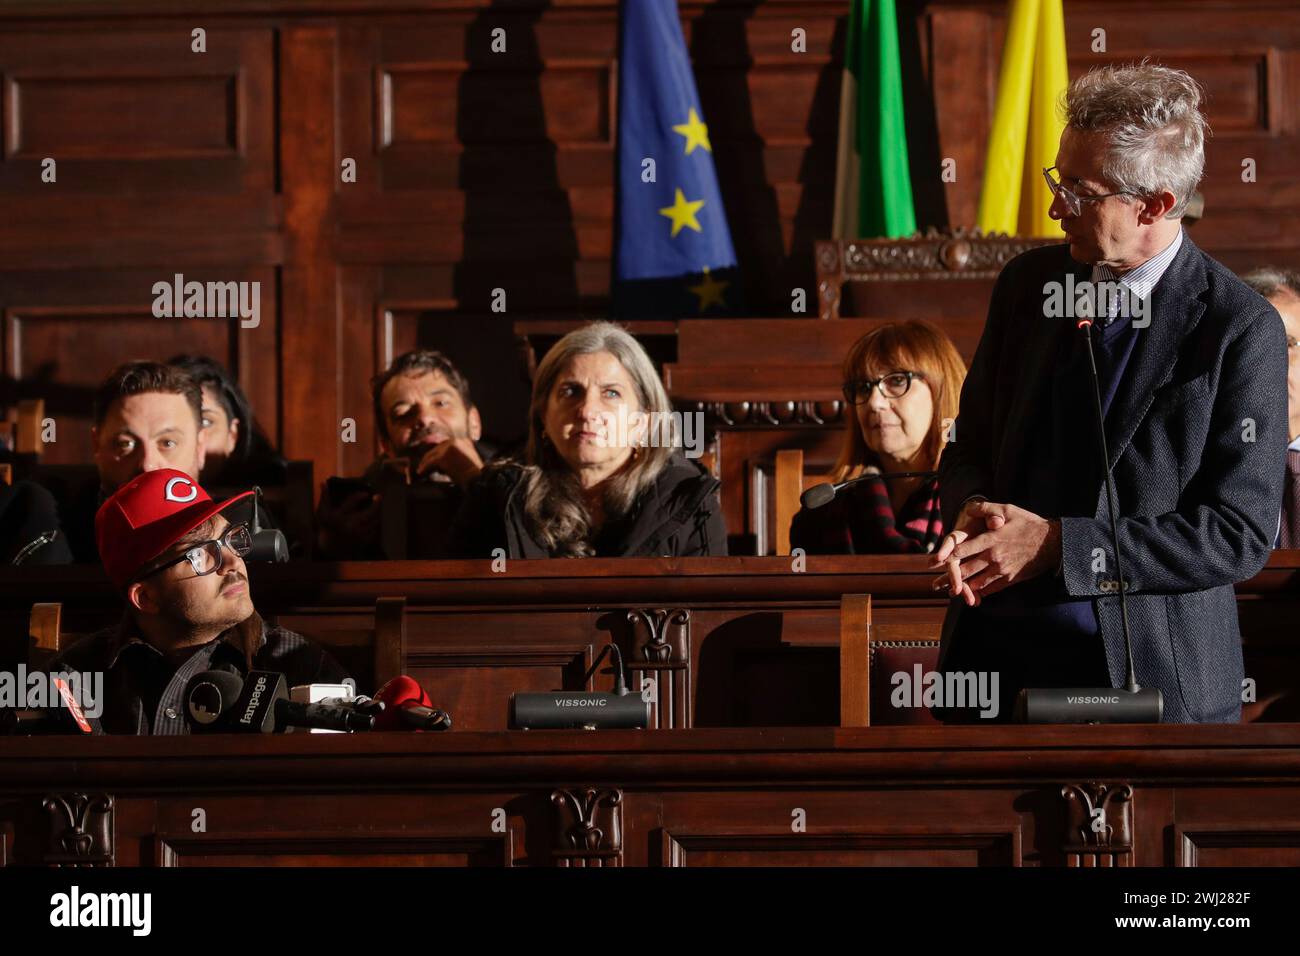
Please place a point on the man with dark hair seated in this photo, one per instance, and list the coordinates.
(147, 416)
(177, 560)
(429, 431)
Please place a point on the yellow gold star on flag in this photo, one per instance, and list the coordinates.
(682, 213)
(696, 133)
(710, 292)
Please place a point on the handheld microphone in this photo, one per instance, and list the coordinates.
(65, 717)
(1131, 704)
(220, 702)
(404, 705)
(823, 494)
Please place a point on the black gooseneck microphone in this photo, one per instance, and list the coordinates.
(824, 494)
(1073, 705)
(269, 544)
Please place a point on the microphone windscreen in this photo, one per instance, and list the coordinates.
(818, 495)
(209, 695)
(401, 690)
(269, 544)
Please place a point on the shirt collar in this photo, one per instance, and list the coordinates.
(247, 638)
(1294, 446)
(1141, 280)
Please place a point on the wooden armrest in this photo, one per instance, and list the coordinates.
(855, 659)
(788, 480)
(44, 626)
(390, 639)
(27, 432)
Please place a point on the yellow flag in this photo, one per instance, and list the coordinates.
(1026, 122)
(1051, 77)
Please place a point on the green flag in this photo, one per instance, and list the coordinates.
(873, 188)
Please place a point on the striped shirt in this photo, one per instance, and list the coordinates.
(1141, 280)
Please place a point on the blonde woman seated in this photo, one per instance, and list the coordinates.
(901, 381)
(596, 479)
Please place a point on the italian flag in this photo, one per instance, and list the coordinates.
(873, 188)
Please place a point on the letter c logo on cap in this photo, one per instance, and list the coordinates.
(172, 496)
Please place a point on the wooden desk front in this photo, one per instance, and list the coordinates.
(919, 796)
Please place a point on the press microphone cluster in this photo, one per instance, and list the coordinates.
(223, 702)
(819, 495)
(1130, 704)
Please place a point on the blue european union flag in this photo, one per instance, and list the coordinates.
(673, 252)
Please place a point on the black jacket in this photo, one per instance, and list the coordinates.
(29, 526)
(679, 516)
(143, 691)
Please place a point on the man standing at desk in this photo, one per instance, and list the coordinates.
(1192, 369)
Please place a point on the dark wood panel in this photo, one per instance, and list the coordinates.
(873, 796)
(186, 117)
(769, 343)
(63, 333)
(431, 103)
(311, 343)
(138, 110)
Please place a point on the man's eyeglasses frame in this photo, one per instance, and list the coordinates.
(194, 553)
(1073, 201)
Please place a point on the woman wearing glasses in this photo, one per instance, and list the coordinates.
(902, 382)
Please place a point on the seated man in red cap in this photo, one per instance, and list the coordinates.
(177, 559)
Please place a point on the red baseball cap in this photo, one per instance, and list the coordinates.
(149, 514)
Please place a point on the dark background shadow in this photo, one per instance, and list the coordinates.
(518, 230)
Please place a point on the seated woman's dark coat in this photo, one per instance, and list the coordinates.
(679, 516)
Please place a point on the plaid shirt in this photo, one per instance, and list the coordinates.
(144, 690)
(861, 520)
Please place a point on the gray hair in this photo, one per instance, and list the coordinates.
(554, 509)
(1152, 118)
(1269, 281)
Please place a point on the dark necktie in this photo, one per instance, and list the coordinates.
(1291, 502)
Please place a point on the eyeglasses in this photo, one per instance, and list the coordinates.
(1292, 342)
(893, 385)
(207, 556)
(1073, 202)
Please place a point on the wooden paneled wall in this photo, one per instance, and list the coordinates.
(478, 171)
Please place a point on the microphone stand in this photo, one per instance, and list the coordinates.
(1112, 500)
(1076, 705)
(620, 677)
